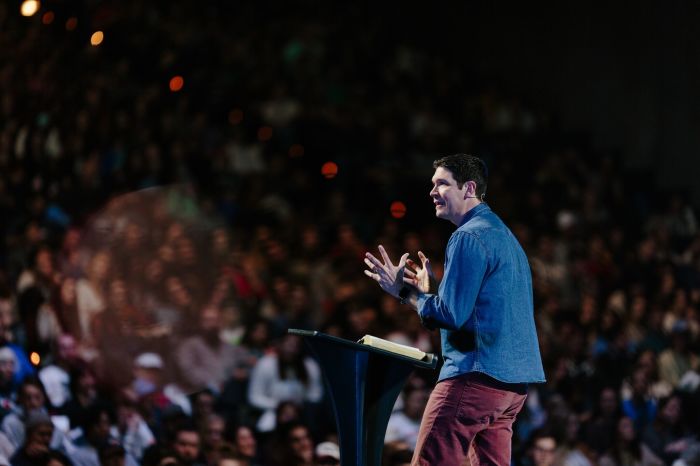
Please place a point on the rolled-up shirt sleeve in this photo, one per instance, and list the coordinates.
(465, 267)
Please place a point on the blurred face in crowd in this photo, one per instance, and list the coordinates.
(362, 319)
(186, 445)
(7, 366)
(230, 462)
(40, 436)
(245, 442)
(125, 414)
(44, 263)
(214, 431)
(114, 461)
(118, 294)
(288, 411)
(625, 429)
(608, 402)
(204, 404)
(6, 314)
(671, 412)
(68, 296)
(87, 386)
(543, 451)
(99, 266)
(640, 382)
(415, 403)
(31, 398)
(99, 432)
(259, 334)
(67, 348)
(55, 462)
(210, 320)
(451, 201)
(289, 348)
(301, 444)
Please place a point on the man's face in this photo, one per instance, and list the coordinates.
(67, 348)
(214, 432)
(41, 435)
(31, 398)
(543, 451)
(451, 202)
(186, 445)
(7, 370)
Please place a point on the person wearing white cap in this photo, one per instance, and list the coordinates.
(327, 454)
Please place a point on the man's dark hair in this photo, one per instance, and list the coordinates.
(465, 168)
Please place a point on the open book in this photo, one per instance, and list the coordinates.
(392, 347)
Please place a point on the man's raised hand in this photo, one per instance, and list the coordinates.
(389, 276)
(419, 276)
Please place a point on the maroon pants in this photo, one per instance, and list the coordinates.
(468, 420)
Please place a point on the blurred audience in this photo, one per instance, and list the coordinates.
(158, 237)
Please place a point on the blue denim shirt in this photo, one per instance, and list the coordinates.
(484, 303)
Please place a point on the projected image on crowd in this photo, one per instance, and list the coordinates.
(144, 290)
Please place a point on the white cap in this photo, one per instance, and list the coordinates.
(327, 450)
(149, 361)
(6, 354)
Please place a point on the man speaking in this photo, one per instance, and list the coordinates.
(484, 311)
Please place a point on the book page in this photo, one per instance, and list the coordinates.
(392, 347)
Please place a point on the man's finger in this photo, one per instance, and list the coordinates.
(385, 256)
(376, 262)
(409, 273)
(373, 276)
(423, 258)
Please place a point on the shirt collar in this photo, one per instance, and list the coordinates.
(475, 210)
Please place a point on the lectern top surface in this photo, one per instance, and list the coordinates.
(430, 361)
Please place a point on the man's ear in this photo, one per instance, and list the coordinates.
(467, 185)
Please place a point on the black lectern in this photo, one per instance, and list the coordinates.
(363, 383)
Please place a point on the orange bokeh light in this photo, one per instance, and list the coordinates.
(97, 38)
(329, 170)
(29, 7)
(297, 150)
(264, 133)
(397, 209)
(47, 18)
(71, 23)
(176, 83)
(35, 358)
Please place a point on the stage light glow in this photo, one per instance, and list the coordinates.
(264, 133)
(397, 209)
(34, 358)
(72, 23)
(297, 150)
(235, 116)
(97, 38)
(48, 17)
(329, 170)
(29, 7)
(176, 83)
